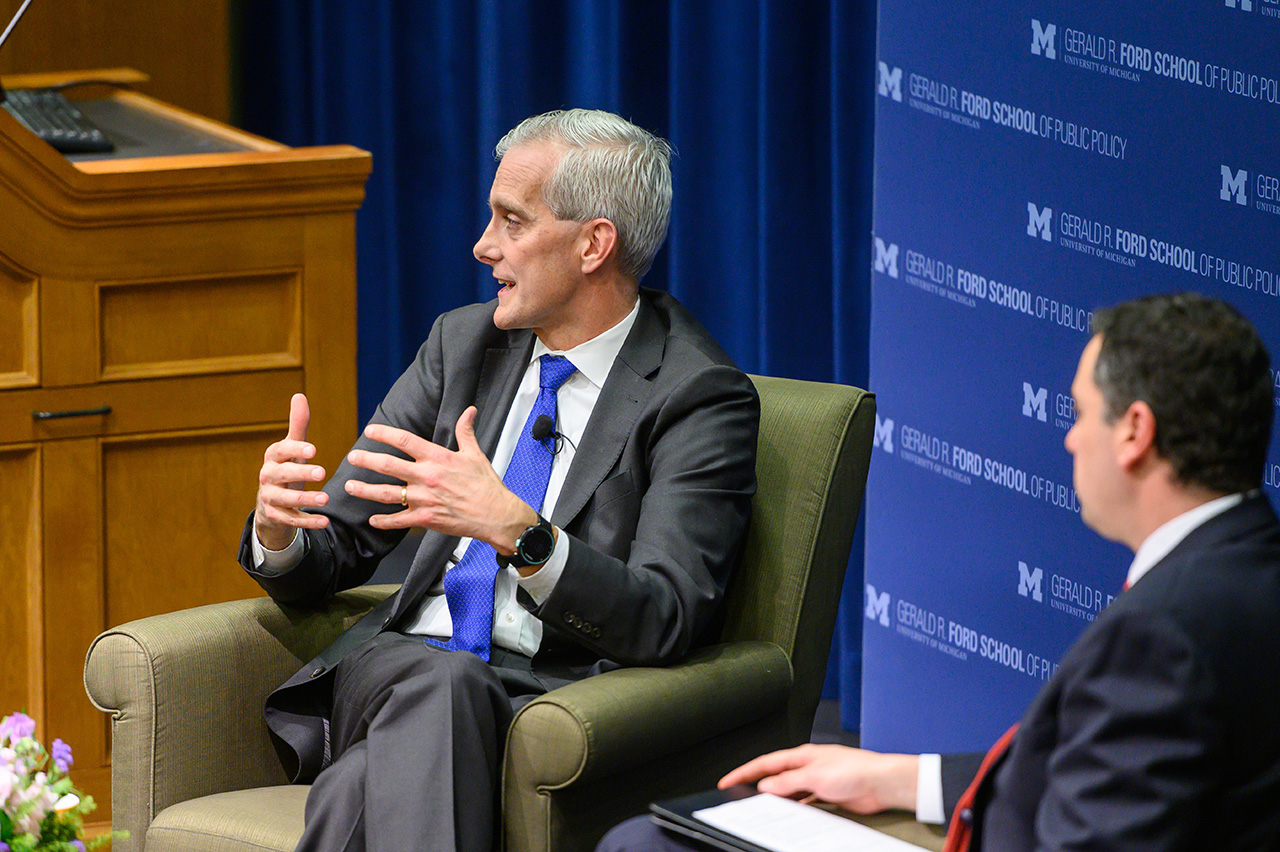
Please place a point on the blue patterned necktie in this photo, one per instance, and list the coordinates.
(468, 587)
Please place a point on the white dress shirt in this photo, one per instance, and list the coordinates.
(1170, 534)
(1154, 548)
(514, 627)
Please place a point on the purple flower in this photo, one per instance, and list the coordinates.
(16, 727)
(61, 753)
(78, 845)
(4, 847)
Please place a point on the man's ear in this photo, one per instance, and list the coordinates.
(599, 243)
(1135, 435)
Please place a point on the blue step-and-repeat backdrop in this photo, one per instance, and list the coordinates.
(1034, 162)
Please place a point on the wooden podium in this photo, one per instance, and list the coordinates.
(158, 307)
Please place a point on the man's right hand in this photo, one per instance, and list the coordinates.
(285, 472)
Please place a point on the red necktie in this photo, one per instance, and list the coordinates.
(960, 832)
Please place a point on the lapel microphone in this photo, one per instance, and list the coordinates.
(544, 427)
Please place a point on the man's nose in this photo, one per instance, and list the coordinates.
(486, 248)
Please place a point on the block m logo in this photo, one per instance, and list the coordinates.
(889, 82)
(877, 606)
(883, 436)
(1042, 39)
(1233, 185)
(1038, 222)
(1245, 5)
(886, 257)
(1033, 402)
(1029, 582)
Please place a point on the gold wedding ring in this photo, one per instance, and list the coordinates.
(404, 496)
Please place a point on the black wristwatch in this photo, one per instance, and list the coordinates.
(533, 547)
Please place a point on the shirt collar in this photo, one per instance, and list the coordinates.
(594, 358)
(1170, 534)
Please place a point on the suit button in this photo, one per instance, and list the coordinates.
(318, 672)
(595, 631)
(966, 816)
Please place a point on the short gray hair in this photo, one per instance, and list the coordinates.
(612, 170)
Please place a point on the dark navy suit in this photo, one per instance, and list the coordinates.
(1159, 730)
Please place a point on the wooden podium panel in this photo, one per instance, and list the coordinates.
(156, 314)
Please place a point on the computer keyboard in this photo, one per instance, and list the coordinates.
(49, 115)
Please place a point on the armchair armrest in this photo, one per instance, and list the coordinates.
(579, 736)
(184, 686)
(606, 724)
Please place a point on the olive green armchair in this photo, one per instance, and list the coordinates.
(193, 768)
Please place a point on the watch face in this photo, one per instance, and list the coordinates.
(535, 545)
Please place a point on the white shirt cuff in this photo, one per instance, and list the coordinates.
(929, 790)
(541, 583)
(273, 563)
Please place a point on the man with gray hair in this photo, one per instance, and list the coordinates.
(581, 456)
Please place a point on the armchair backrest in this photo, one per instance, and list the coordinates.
(811, 470)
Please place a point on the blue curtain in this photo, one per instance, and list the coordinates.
(769, 107)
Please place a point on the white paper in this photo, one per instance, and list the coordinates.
(788, 826)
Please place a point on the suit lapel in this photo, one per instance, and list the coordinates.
(622, 398)
(1250, 516)
(500, 373)
(500, 376)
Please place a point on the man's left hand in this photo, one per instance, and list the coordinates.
(453, 492)
(865, 782)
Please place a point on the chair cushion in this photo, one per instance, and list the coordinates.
(263, 818)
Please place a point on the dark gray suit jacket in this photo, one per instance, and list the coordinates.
(1159, 729)
(656, 503)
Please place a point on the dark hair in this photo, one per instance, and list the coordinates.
(1205, 373)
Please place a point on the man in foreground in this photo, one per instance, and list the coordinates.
(581, 454)
(1158, 730)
